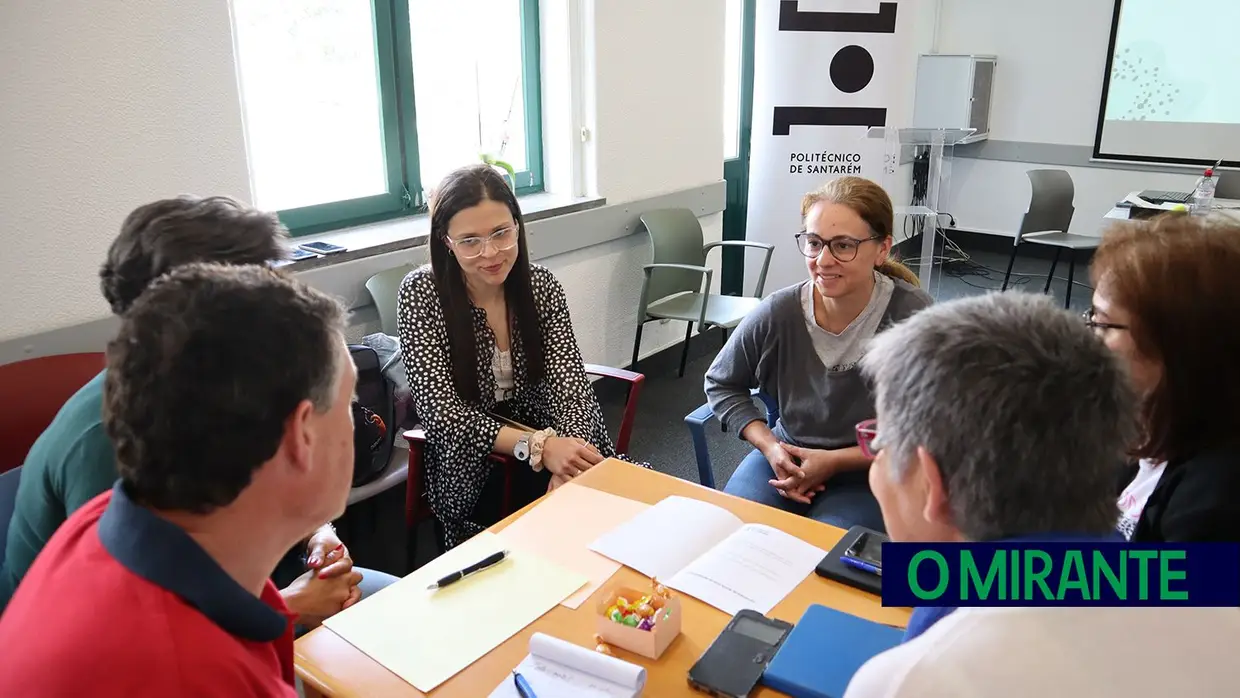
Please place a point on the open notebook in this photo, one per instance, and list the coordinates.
(705, 551)
(558, 669)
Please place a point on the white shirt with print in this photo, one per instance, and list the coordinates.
(1132, 500)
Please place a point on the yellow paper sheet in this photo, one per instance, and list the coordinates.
(562, 527)
(426, 637)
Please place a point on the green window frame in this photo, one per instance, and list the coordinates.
(405, 194)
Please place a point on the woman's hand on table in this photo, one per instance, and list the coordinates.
(556, 481)
(568, 457)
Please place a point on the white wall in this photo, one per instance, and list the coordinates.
(103, 106)
(1048, 82)
(109, 106)
(657, 126)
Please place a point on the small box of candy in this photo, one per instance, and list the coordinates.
(641, 622)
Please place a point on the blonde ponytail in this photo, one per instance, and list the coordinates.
(896, 270)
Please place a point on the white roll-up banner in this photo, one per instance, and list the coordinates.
(825, 71)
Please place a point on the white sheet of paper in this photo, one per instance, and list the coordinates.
(755, 567)
(558, 669)
(665, 538)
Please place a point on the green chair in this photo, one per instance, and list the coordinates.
(679, 281)
(384, 287)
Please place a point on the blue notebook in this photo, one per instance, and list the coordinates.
(824, 650)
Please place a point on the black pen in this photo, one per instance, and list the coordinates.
(488, 561)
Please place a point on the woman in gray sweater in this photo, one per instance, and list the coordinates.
(801, 347)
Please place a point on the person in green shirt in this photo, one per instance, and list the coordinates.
(73, 459)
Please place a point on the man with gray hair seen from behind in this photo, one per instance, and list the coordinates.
(1001, 418)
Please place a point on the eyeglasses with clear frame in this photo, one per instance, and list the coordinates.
(867, 438)
(842, 247)
(1097, 326)
(501, 240)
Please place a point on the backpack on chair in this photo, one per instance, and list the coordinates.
(374, 416)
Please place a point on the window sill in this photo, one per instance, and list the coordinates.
(410, 232)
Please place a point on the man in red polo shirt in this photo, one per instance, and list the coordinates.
(228, 399)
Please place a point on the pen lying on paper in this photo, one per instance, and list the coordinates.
(523, 686)
(488, 561)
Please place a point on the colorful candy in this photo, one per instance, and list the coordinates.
(642, 613)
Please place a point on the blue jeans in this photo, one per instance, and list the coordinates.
(846, 501)
(374, 581)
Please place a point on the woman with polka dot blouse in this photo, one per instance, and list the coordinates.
(488, 344)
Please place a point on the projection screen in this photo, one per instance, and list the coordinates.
(1170, 93)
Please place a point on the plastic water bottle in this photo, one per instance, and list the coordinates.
(1203, 194)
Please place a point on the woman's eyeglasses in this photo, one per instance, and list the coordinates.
(842, 247)
(1098, 326)
(501, 240)
(867, 438)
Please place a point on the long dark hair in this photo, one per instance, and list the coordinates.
(461, 189)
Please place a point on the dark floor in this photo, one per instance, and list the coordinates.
(660, 435)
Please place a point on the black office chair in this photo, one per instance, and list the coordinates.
(1046, 223)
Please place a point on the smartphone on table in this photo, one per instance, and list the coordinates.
(865, 554)
(322, 247)
(734, 662)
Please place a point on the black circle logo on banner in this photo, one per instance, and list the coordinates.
(852, 67)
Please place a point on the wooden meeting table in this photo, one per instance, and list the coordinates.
(330, 666)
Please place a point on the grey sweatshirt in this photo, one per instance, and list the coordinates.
(772, 350)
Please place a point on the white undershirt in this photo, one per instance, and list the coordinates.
(501, 366)
(1137, 493)
(841, 352)
(1064, 653)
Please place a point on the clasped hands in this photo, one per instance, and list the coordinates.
(329, 585)
(800, 473)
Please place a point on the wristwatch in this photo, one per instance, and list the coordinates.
(522, 450)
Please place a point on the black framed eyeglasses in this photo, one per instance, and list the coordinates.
(842, 247)
(1098, 326)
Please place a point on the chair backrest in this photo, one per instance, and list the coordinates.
(1228, 185)
(383, 288)
(1050, 205)
(676, 236)
(8, 500)
(32, 392)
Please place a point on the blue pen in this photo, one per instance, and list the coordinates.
(862, 565)
(523, 686)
